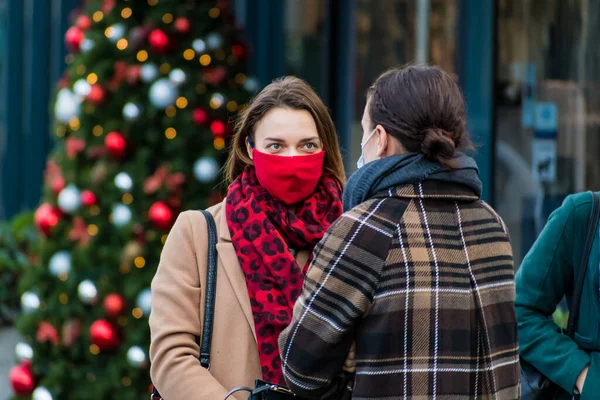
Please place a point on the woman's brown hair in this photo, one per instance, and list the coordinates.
(292, 93)
(423, 108)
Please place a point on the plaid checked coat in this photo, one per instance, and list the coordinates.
(421, 279)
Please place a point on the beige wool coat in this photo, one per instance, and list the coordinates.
(178, 312)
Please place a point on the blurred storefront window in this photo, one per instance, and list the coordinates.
(386, 36)
(547, 110)
(306, 44)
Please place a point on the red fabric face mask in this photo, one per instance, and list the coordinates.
(290, 179)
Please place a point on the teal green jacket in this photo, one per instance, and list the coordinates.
(546, 275)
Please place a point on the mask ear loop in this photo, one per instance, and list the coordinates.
(250, 142)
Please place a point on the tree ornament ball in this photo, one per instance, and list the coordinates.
(136, 357)
(121, 215)
(87, 292)
(73, 38)
(160, 215)
(41, 393)
(114, 305)
(84, 22)
(87, 45)
(117, 32)
(69, 199)
(82, 88)
(96, 95)
(116, 145)
(30, 302)
(144, 301)
(177, 76)
(206, 169)
(88, 198)
(200, 116)
(46, 217)
(182, 25)
(67, 106)
(199, 45)
(21, 380)
(149, 72)
(217, 128)
(104, 335)
(23, 352)
(60, 263)
(159, 41)
(214, 41)
(131, 111)
(123, 181)
(163, 93)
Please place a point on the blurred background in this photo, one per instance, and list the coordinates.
(528, 69)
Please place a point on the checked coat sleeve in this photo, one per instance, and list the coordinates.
(338, 292)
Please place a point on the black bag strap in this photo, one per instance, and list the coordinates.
(585, 255)
(210, 290)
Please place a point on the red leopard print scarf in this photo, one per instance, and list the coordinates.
(263, 232)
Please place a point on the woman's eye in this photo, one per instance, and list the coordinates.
(311, 146)
(274, 146)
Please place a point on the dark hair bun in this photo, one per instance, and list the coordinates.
(438, 145)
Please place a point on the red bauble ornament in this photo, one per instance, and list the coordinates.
(21, 380)
(84, 22)
(57, 184)
(115, 144)
(159, 41)
(46, 217)
(73, 38)
(217, 127)
(200, 116)
(114, 305)
(96, 95)
(238, 50)
(47, 333)
(182, 25)
(88, 198)
(104, 335)
(160, 215)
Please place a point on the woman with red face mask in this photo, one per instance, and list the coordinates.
(286, 175)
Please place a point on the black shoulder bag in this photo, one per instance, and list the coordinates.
(534, 385)
(211, 290)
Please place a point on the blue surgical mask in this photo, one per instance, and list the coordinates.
(361, 160)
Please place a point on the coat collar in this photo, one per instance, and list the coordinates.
(432, 189)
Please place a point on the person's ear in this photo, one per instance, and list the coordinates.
(383, 141)
(248, 147)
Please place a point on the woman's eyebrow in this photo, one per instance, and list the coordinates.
(274, 140)
(310, 139)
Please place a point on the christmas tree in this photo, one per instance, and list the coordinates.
(142, 117)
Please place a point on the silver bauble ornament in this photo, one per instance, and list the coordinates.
(131, 111)
(82, 88)
(144, 301)
(251, 85)
(148, 72)
(117, 32)
(67, 106)
(123, 181)
(217, 100)
(121, 215)
(214, 41)
(199, 46)
(177, 76)
(23, 352)
(86, 45)
(136, 357)
(41, 393)
(87, 292)
(163, 93)
(206, 169)
(69, 199)
(60, 263)
(30, 302)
